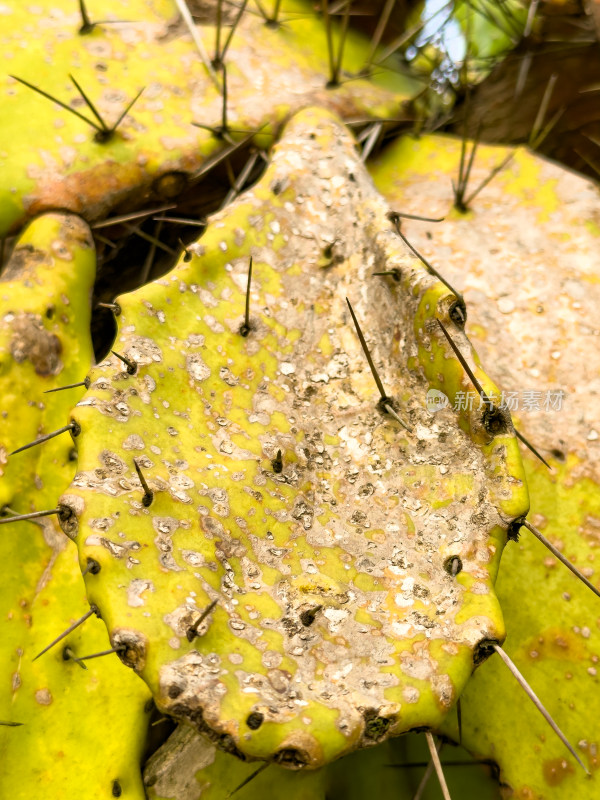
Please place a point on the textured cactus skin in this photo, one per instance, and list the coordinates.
(205, 424)
(44, 343)
(538, 214)
(566, 495)
(49, 158)
(65, 711)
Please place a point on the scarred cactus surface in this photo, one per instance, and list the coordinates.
(337, 621)
(531, 286)
(297, 556)
(51, 158)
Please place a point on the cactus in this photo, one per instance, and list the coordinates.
(335, 588)
(206, 411)
(155, 153)
(536, 211)
(45, 344)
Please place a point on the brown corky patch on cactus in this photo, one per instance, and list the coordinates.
(155, 152)
(338, 622)
(535, 230)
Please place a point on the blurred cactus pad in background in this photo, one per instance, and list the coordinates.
(300, 414)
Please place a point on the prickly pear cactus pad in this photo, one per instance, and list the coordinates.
(537, 329)
(63, 711)
(51, 158)
(66, 713)
(45, 292)
(278, 485)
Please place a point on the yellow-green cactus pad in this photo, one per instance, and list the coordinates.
(51, 158)
(338, 622)
(532, 288)
(82, 732)
(66, 714)
(45, 293)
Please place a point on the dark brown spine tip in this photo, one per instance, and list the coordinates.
(73, 427)
(224, 126)
(397, 216)
(92, 568)
(247, 780)
(187, 256)
(535, 452)
(85, 382)
(467, 369)
(277, 463)
(34, 515)
(69, 655)
(392, 273)
(131, 365)
(58, 102)
(562, 558)
(245, 327)
(363, 344)
(537, 703)
(93, 610)
(86, 25)
(105, 134)
(429, 266)
(464, 171)
(193, 631)
(119, 649)
(114, 307)
(242, 8)
(148, 493)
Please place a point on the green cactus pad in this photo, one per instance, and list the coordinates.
(534, 326)
(65, 712)
(81, 730)
(337, 623)
(45, 292)
(51, 159)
